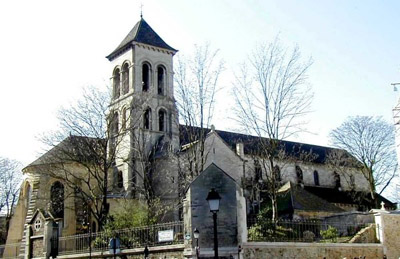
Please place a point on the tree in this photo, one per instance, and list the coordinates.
(272, 96)
(197, 82)
(371, 140)
(82, 141)
(92, 137)
(10, 181)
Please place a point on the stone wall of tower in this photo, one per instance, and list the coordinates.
(135, 141)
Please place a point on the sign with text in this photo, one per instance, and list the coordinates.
(166, 235)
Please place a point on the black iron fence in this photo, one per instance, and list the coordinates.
(153, 235)
(266, 230)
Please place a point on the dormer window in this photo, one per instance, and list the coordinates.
(145, 77)
(160, 80)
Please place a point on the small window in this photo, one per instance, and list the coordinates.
(116, 83)
(114, 124)
(145, 77)
(277, 173)
(38, 224)
(125, 116)
(257, 171)
(120, 183)
(336, 178)
(125, 78)
(94, 227)
(299, 174)
(147, 119)
(161, 120)
(316, 178)
(161, 80)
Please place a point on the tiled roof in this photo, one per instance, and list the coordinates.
(141, 33)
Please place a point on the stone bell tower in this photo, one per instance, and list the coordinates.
(143, 115)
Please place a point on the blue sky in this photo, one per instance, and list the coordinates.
(51, 49)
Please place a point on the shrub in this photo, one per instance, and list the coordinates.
(330, 233)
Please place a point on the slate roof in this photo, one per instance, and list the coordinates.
(141, 33)
(303, 200)
(72, 148)
(252, 144)
(333, 195)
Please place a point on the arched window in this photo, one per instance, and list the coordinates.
(147, 119)
(257, 171)
(160, 80)
(162, 120)
(116, 84)
(114, 124)
(125, 116)
(145, 77)
(125, 78)
(277, 173)
(316, 178)
(57, 200)
(120, 180)
(299, 174)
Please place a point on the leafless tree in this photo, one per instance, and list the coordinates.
(371, 140)
(82, 141)
(197, 82)
(93, 138)
(272, 96)
(10, 181)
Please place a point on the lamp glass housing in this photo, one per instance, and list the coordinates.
(213, 199)
(196, 233)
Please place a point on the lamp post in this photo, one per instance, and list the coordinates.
(196, 235)
(213, 199)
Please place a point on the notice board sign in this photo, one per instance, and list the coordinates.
(166, 235)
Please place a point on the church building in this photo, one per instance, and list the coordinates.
(150, 155)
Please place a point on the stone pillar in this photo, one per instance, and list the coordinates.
(388, 229)
(48, 234)
(27, 241)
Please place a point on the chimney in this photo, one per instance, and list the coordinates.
(240, 149)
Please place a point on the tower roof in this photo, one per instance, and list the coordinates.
(141, 33)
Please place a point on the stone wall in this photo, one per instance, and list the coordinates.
(261, 250)
(390, 230)
(366, 235)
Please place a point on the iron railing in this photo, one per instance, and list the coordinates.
(10, 250)
(129, 238)
(267, 230)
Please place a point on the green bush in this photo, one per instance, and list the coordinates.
(331, 233)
